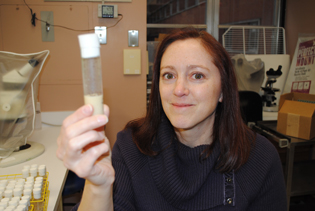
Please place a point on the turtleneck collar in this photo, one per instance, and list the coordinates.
(181, 175)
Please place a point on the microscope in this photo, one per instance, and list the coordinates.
(268, 97)
(18, 96)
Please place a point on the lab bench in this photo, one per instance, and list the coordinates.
(57, 172)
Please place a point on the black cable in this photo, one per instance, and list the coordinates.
(33, 14)
(48, 24)
(117, 21)
(79, 29)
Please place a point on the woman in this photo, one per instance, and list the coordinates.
(191, 151)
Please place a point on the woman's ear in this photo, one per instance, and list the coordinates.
(221, 98)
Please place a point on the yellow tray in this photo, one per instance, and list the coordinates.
(45, 191)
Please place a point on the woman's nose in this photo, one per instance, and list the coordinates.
(181, 87)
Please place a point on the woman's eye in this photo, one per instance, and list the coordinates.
(168, 76)
(197, 76)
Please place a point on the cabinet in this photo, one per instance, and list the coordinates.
(299, 175)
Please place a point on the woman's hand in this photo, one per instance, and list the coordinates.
(84, 148)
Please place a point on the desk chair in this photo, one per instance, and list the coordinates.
(251, 106)
(73, 185)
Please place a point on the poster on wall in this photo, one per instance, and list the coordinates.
(301, 77)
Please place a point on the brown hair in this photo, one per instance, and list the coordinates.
(234, 137)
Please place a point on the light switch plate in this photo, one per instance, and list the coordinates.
(133, 38)
(101, 32)
(132, 61)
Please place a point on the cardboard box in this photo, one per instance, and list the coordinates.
(296, 116)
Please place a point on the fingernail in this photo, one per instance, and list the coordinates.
(102, 119)
(87, 109)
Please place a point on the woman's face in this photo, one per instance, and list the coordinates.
(190, 85)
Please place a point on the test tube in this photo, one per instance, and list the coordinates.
(27, 199)
(38, 202)
(92, 71)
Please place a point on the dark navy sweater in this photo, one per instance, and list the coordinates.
(176, 179)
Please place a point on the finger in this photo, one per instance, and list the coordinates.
(72, 152)
(80, 134)
(80, 126)
(61, 143)
(81, 113)
(106, 110)
(85, 125)
(60, 150)
(76, 145)
(84, 167)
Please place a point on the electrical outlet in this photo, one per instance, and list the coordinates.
(48, 32)
(101, 33)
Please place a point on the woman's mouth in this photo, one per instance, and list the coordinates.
(181, 105)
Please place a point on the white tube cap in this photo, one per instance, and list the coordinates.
(23, 202)
(27, 198)
(3, 205)
(31, 178)
(13, 203)
(33, 172)
(3, 183)
(27, 192)
(37, 192)
(26, 173)
(89, 45)
(42, 170)
(17, 192)
(8, 194)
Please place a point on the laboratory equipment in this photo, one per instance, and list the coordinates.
(92, 71)
(18, 97)
(268, 96)
(32, 199)
(107, 11)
